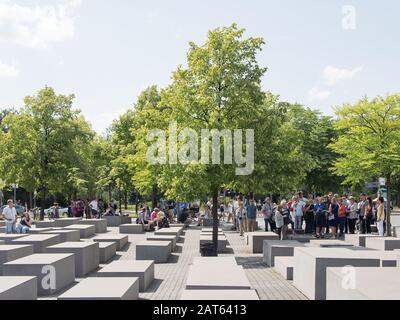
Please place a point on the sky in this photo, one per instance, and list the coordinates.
(320, 53)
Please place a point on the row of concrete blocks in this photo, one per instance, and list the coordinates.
(217, 278)
(307, 265)
(120, 280)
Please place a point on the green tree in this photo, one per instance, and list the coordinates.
(40, 148)
(369, 142)
(318, 132)
(220, 89)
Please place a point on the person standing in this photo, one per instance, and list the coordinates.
(380, 216)
(342, 216)
(362, 207)
(320, 217)
(10, 215)
(369, 214)
(309, 217)
(285, 214)
(267, 214)
(298, 208)
(242, 218)
(333, 217)
(251, 215)
(353, 215)
(94, 207)
(229, 212)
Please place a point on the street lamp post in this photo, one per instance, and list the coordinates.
(15, 187)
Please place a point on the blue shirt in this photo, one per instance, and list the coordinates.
(320, 208)
(252, 211)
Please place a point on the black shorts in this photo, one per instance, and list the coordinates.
(320, 221)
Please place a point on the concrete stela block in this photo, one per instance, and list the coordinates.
(86, 255)
(39, 241)
(158, 251)
(310, 266)
(371, 284)
(86, 231)
(104, 289)
(100, 225)
(144, 270)
(107, 251)
(131, 229)
(61, 266)
(120, 240)
(18, 288)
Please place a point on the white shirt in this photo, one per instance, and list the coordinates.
(94, 205)
(10, 213)
(298, 208)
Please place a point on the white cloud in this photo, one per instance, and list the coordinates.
(317, 95)
(38, 26)
(8, 71)
(333, 75)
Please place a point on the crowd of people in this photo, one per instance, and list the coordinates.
(331, 214)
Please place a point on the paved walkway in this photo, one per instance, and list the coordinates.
(170, 278)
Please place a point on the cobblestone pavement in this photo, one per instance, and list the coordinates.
(170, 278)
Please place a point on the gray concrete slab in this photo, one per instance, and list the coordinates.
(100, 225)
(278, 248)
(104, 289)
(163, 238)
(229, 277)
(52, 271)
(167, 232)
(120, 239)
(67, 235)
(310, 264)
(256, 240)
(369, 284)
(284, 266)
(13, 252)
(116, 221)
(9, 238)
(39, 241)
(144, 270)
(87, 257)
(219, 295)
(383, 243)
(18, 288)
(131, 229)
(327, 243)
(158, 251)
(358, 239)
(45, 224)
(86, 231)
(39, 230)
(65, 222)
(107, 251)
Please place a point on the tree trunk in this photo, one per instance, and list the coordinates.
(42, 205)
(398, 195)
(154, 200)
(109, 193)
(126, 199)
(388, 212)
(215, 219)
(30, 200)
(120, 199)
